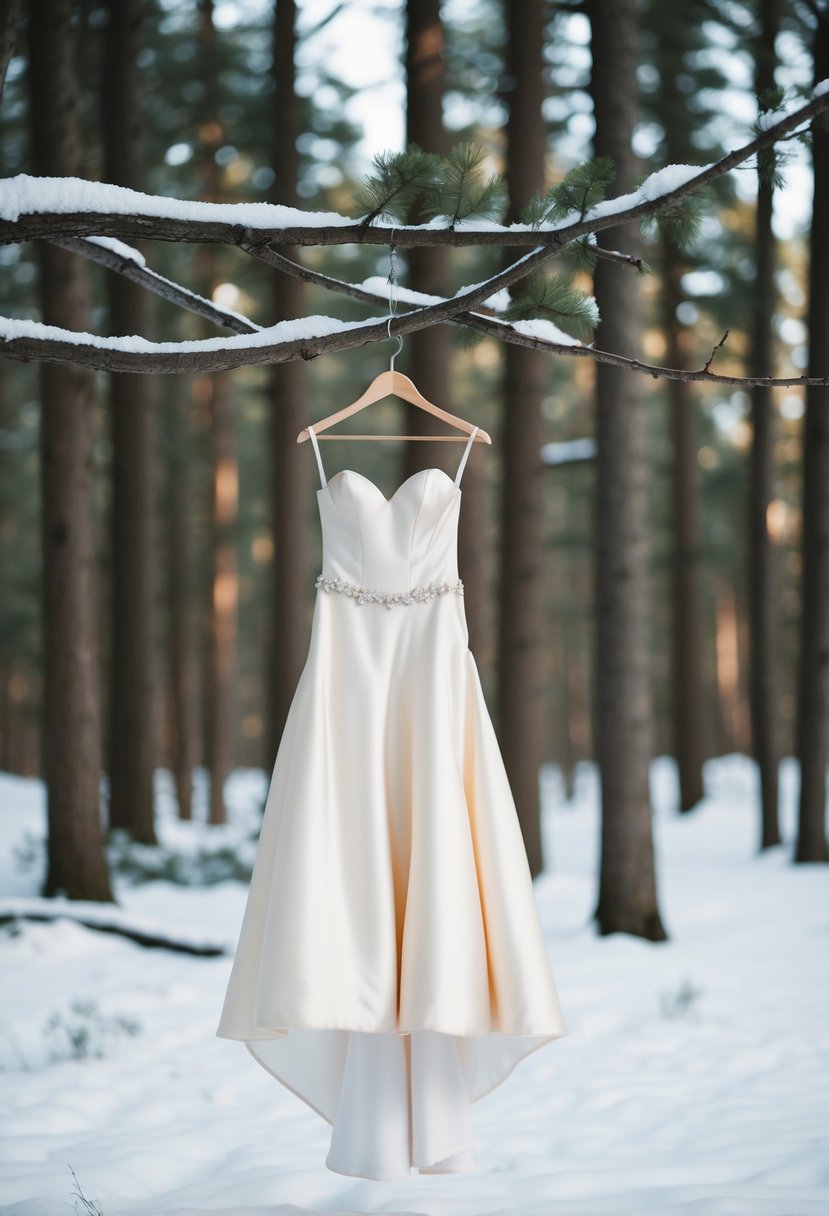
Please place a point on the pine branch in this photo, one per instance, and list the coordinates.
(557, 300)
(770, 160)
(398, 179)
(460, 192)
(679, 222)
(132, 265)
(582, 188)
(494, 328)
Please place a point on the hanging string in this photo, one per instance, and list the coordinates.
(392, 282)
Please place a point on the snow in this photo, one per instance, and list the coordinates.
(27, 195)
(118, 247)
(106, 916)
(546, 330)
(694, 1080)
(130, 254)
(662, 181)
(272, 335)
(299, 328)
(767, 118)
(379, 286)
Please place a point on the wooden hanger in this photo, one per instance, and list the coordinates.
(401, 386)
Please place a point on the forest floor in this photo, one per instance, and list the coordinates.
(694, 1079)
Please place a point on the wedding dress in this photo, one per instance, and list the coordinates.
(391, 968)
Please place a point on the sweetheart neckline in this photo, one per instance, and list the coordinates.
(411, 477)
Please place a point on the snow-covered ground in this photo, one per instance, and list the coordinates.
(694, 1080)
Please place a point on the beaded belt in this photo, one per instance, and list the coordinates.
(364, 595)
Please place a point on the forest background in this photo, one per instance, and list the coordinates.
(202, 525)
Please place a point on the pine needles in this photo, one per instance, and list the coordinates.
(390, 192)
(555, 299)
(460, 191)
(771, 159)
(416, 186)
(582, 188)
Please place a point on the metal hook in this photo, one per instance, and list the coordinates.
(397, 352)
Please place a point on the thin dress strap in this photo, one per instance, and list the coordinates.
(316, 448)
(466, 452)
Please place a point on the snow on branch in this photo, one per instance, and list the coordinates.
(127, 261)
(110, 918)
(303, 337)
(535, 334)
(48, 208)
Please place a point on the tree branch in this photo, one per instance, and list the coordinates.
(249, 223)
(621, 259)
(714, 351)
(26, 341)
(506, 331)
(107, 918)
(30, 340)
(130, 263)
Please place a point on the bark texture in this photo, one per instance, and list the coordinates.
(813, 706)
(293, 469)
(627, 896)
(430, 350)
(764, 682)
(132, 742)
(521, 723)
(220, 697)
(182, 696)
(687, 651)
(71, 688)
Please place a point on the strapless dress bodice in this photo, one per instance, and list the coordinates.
(392, 544)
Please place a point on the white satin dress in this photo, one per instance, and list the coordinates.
(391, 968)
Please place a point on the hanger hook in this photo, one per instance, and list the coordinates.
(399, 348)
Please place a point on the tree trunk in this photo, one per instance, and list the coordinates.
(813, 701)
(181, 659)
(688, 699)
(222, 622)
(132, 735)
(11, 675)
(293, 469)
(430, 350)
(71, 688)
(521, 724)
(763, 581)
(627, 897)
(9, 21)
(220, 674)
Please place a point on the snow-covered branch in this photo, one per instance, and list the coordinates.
(54, 208)
(126, 260)
(43, 207)
(302, 338)
(537, 335)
